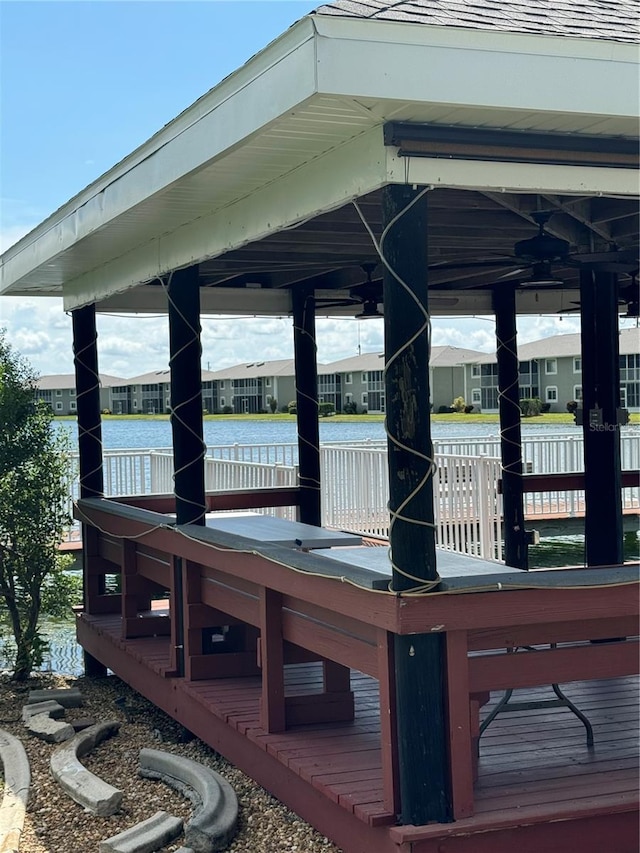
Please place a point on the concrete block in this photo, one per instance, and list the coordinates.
(68, 698)
(80, 784)
(144, 837)
(17, 781)
(51, 709)
(215, 814)
(52, 731)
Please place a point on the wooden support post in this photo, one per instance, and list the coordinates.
(419, 658)
(460, 744)
(186, 395)
(272, 711)
(85, 359)
(388, 723)
(604, 541)
(186, 424)
(515, 542)
(304, 342)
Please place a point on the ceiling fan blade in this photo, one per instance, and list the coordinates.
(471, 265)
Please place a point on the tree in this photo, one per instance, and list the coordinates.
(34, 488)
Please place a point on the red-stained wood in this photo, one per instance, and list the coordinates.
(272, 711)
(552, 632)
(388, 723)
(532, 790)
(459, 726)
(544, 666)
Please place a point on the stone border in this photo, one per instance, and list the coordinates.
(215, 817)
(146, 836)
(80, 784)
(17, 781)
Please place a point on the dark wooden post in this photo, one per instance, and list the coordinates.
(85, 359)
(183, 294)
(515, 543)
(419, 658)
(306, 369)
(603, 527)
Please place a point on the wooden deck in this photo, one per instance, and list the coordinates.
(534, 766)
(298, 687)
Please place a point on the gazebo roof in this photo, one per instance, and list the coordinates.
(256, 181)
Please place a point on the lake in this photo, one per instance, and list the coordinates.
(154, 433)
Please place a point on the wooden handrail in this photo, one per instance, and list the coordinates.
(536, 483)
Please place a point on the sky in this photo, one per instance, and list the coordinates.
(84, 83)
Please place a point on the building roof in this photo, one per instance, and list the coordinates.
(258, 177)
(559, 346)
(67, 381)
(256, 369)
(440, 357)
(614, 20)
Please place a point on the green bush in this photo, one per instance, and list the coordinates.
(273, 405)
(530, 407)
(350, 408)
(227, 410)
(325, 410)
(292, 407)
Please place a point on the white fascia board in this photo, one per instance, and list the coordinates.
(213, 300)
(270, 85)
(341, 175)
(478, 68)
(500, 177)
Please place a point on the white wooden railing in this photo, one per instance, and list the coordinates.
(355, 490)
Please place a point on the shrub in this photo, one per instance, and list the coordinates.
(105, 411)
(544, 408)
(458, 405)
(572, 406)
(530, 407)
(445, 410)
(468, 410)
(273, 405)
(292, 407)
(350, 408)
(325, 410)
(227, 410)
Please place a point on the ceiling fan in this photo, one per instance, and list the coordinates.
(628, 295)
(533, 259)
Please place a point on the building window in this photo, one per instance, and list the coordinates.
(222, 384)
(72, 392)
(551, 366)
(135, 404)
(58, 392)
(267, 382)
(476, 396)
(551, 393)
(222, 401)
(348, 398)
(475, 370)
(72, 405)
(58, 407)
(365, 399)
(577, 365)
(348, 378)
(577, 393)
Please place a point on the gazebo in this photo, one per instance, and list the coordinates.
(405, 159)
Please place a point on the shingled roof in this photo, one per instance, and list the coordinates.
(614, 20)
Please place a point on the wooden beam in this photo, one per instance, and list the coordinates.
(419, 659)
(604, 543)
(306, 369)
(515, 545)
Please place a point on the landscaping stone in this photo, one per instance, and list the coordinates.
(52, 731)
(215, 815)
(50, 708)
(68, 698)
(80, 784)
(17, 780)
(144, 837)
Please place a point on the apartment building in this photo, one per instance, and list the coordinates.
(59, 391)
(551, 369)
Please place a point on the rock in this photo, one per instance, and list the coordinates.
(53, 731)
